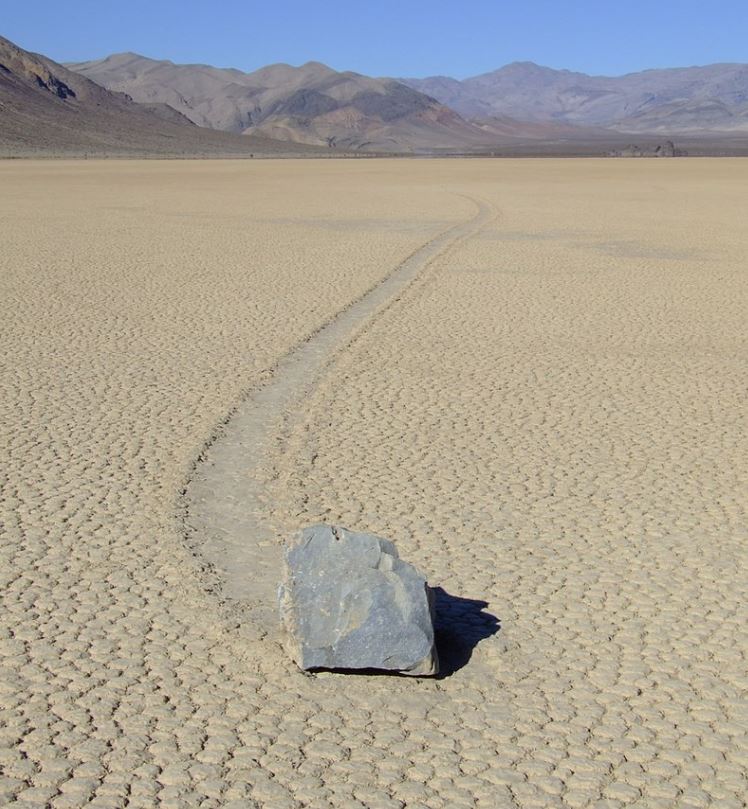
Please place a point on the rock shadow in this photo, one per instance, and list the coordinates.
(460, 624)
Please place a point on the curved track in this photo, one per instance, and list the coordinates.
(223, 507)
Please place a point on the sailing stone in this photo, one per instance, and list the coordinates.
(347, 601)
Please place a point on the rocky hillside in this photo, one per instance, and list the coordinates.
(47, 109)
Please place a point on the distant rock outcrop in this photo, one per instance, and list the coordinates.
(348, 601)
(666, 149)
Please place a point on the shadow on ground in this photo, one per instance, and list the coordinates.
(461, 624)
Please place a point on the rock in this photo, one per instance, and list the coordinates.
(348, 601)
(666, 149)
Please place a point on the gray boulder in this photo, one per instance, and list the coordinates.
(347, 601)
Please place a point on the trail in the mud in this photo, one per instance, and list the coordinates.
(223, 501)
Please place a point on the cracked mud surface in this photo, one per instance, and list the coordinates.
(538, 424)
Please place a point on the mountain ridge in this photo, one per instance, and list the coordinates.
(311, 103)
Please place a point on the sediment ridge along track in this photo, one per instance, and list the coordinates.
(223, 512)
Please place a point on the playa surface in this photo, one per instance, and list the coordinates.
(548, 418)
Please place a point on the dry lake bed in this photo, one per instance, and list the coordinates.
(532, 375)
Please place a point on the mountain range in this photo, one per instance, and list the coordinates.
(522, 101)
(127, 103)
(678, 100)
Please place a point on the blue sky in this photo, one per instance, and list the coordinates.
(385, 38)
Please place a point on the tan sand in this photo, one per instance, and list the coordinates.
(550, 418)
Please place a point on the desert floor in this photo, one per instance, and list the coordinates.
(549, 417)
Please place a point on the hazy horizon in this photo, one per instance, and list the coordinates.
(424, 39)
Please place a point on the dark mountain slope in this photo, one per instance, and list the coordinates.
(47, 109)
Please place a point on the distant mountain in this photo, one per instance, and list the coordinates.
(311, 104)
(693, 99)
(46, 108)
